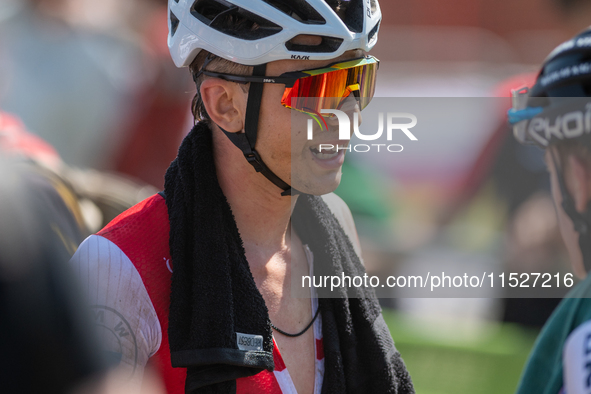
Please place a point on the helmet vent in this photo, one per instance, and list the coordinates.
(350, 11)
(372, 34)
(327, 45)
(299, 10)
(233, 20)
(373, 6)
(174, 23)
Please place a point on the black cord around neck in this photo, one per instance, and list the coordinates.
(301, 332)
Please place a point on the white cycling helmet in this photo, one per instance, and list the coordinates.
(342, 24)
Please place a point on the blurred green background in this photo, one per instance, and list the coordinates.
(491, 364)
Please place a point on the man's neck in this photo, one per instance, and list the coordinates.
(262, 214)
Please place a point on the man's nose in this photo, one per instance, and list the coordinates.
(350, 107)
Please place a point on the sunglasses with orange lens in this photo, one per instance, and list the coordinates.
(322, 88)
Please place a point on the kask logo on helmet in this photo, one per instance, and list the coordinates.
(569, 125)
(344, 123)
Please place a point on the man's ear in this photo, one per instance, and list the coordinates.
(579, 182)
(225, 103)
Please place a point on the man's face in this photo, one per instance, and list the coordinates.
(286, 150)
(565, 223)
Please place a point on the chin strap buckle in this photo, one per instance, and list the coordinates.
(255, 160)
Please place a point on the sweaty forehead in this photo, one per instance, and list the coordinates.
(281, 66)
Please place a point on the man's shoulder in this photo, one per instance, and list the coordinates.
(343, 214)
(142, 228)
(148, 215)
(576, 350)
(142, 233)
(573, 310)
(561, 339)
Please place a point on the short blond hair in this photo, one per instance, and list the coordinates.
(217, 64)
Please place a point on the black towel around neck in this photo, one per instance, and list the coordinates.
(214, 296)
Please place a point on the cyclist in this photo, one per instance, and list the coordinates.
(555, 115)
(197, 279)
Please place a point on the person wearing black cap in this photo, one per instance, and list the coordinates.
(555, 114)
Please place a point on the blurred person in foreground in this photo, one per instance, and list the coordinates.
(47, 340)
(197, 279)
(555, 114)
(44, 346)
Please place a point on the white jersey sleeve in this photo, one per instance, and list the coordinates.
(121, 307)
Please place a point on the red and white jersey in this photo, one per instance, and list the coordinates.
(126, 271)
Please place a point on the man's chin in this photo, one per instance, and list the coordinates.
(318, 186)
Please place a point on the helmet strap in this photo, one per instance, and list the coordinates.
(246, 141)
(210, 57)
(581, 221)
